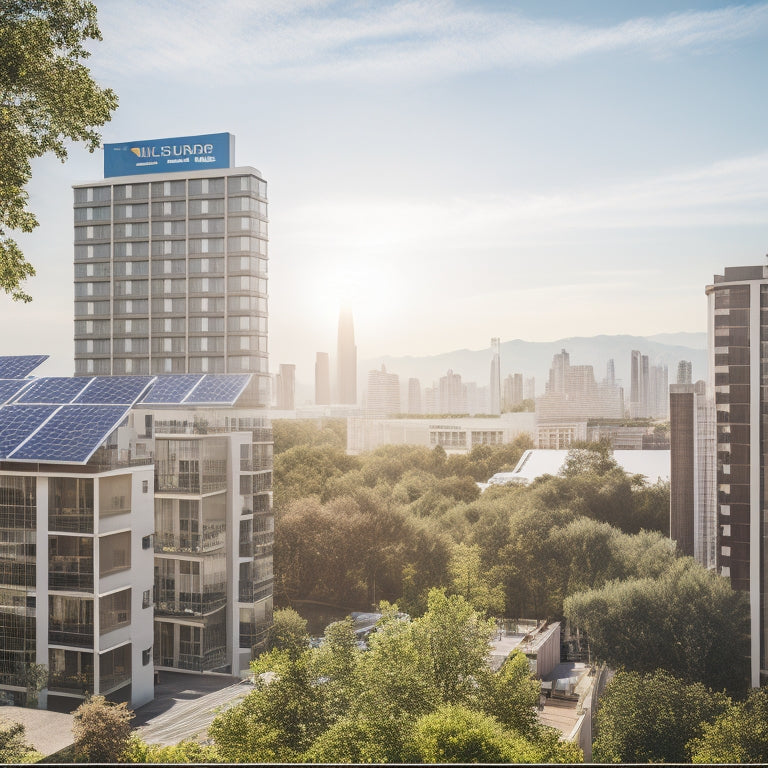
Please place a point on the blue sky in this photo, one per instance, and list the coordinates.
(452, 170)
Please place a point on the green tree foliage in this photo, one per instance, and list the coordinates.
(339, 704)
(47, 96)
(138, 751)
(102, 730)
(456, 734)
(288, 632)
(738, 735)
(687, 621)
(468, 579)
(289, 433)
(13, 747)
(650, 717)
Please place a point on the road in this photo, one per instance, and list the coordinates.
(185, 706)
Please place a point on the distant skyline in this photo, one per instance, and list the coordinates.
(450, 171)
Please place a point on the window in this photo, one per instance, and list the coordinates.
(146, 656)
(145, 483)
(146, 541)
(146, 598)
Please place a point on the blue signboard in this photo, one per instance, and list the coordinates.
(179, 154)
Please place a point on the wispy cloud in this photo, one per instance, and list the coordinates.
(321, 39)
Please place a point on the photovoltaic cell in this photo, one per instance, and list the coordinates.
(224, 389)
(55, 389)
(10, 387)
(19, 366)
(171, 390)
(18, 422)
(114, 390)
(73, 434)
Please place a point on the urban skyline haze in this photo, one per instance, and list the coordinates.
(449, 171)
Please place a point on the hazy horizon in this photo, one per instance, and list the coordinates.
(451, 170)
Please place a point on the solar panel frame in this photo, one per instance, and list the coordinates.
(72, 435)
(171, 389)
(114, 390)
(218, 389)
(19, 366)
(18, 422)
(58, 390)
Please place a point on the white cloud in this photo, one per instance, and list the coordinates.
(311, 39)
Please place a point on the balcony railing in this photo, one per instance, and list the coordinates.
(70, 573)
(211, 538)
(81, 683)
(78, 635)
(191, 606)
(71, 521)
(115, 679)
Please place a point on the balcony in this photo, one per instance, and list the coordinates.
(79, 683)
(212, 538)
(77, 635)
(190, 604)
(67, 572)
(119, 677)
(71, 521)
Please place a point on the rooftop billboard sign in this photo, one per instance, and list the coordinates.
(179, 154)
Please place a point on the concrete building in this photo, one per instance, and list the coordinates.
(137, 518)
(171, 278)
(322, 379)
(458, 435)
(738, 334)
(414, 396)
(684, 372)
(572, 397)
(693, 515)
(495, 379)
(513, 390)
(453, 398)
(383, 395)
(171, 264)
(346, 359)
(285, 387)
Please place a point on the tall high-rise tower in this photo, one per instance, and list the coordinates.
(738, 334)
(495, 376)
(322, 379)
(346, 360)
(171, 278)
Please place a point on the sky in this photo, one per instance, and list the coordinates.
(450, 170)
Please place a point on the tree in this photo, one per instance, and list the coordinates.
(469, 580)
(738, 735)
(288, 632)
(651, 717)
(13, 747)
(47, 97)
(688, 621)
(138, 751)
(511, 695)
(102, 730)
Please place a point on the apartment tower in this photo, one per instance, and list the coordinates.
(171, 278)
(738, 371)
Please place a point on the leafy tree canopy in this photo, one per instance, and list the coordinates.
(47, 96)
(650, 718)
(102, 730)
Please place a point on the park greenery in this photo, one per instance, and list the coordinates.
(47, 99)
(422, 692)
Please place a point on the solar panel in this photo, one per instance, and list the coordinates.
(221, 388)
(19, 366)
(55, 389)
(171, 390)
(10, 387)
(18, 422)
(114, 390)
(72, 434)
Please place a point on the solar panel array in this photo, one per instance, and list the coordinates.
(19, 366)
(59, 419)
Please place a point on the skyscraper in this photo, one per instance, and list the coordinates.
(495, 384)
(346, 361)
(322, 379)
(171, 278)
(738, 335)
(383, 396)
(285, 387)
(414, 396)
(171, 262)
(684, 372)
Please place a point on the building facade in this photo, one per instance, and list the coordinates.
(383, 395)
(738, 334)
(346, 359)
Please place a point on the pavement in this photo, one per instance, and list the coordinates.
(185, 705)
